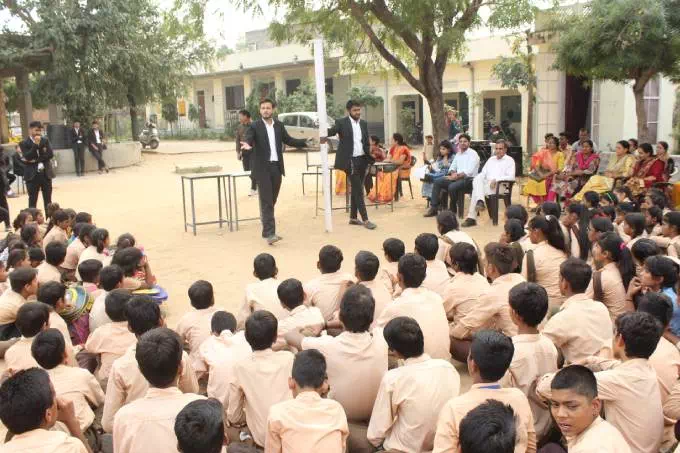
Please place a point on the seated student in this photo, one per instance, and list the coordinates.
(89, 276)
(23, 284)
(18, 258)
(513, 231)
(97, 250)
(33, 318)
(36, 256)
(423, 305)
(81, 241)
(582, 327)
(70, 383)
(535, 355)
(147, 424)
(490, 356)
(643, 249)
(575, 405)
(133, 263)
(292, 298)
(634, 227)
(126, 382)
(669, 240)
(260, 380)
(310, 422)
(366, 266)
(194, 327)
(653, 221)
(659, 275)
(449, 234)
(411, 396)
(199, 427)
(519, 212)
(467, 285)
(262, 294)
(54, 256)
(488, 427)
(110, 278)
(326, 290)
(31, 236)
(60, 223)
(436, 277)
(52, 294)
(628, 386)
(4, 278)
(393, 249)
(110, 341)
(575, 223)
(29, 409)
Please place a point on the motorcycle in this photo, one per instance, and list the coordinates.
(149, 136)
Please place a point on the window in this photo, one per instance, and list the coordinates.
(652, 107)
(234, 97)
(292, 85)
(268, 89)
(290, 120)
(306, 121)
(595, 121)
(329, 85)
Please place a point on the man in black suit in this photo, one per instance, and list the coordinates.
(78, 144)
(36, 155)
(265, 137)
(353, 157)
(95, 139)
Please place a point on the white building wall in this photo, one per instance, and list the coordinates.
(549, 106)
(666, 104)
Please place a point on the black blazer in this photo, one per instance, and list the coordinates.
(32, 154)
(92, 140)
(257, 137)
(343, 155)
(75, 136)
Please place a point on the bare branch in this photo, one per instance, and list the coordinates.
(391, 21)
(21, 13)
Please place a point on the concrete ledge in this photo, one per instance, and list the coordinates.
(117, 155)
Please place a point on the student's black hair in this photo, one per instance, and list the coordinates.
(593, 198)
(125, 240)
(290, 292)
(357, 309)
(394, 249)
(221, 321)
(577, 273)
(201, 294)
(636, 221)
(609, 211)
(610, 197)
(366, 265)
(21, 277)
(59, 216)
(550, 208)
(624, 190)
(602, 224)
(656, 214)
(31, 318)
(51, 292)
(576, 378)
(658, 198)
(404, 335)
(330, 259)
(48, 348)
(37, 254)
(673, 219)
(261, 330)
(620, 254)
(99, 237)
(83, 217)
(128, 259)
(20, 220)
(427, 246)
(309, 369)
(159, 356)
(658, 305)
(530, 302)
(110, 277)
(489, 427)
(662, 266)
(24, 399)
(265, 266)
(412, 268)
(514, 229)
(28, 233)
(626, 208)
(115, 304)
(640, 332)
(644, 248)
(500, 256)
(550, 226)
(464, 256)
(55, 252)
(85, 232)
(517, 211)
(142, 313)
(199, 427)
(492, 351)
(16, 244)
(89, 270)
(447, 221)
(15, 257)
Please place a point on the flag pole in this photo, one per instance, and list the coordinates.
(320, 77)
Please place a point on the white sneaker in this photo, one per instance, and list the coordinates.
(252, 193)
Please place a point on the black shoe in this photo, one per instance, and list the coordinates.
(469, 222)
(480, 206)
(432, 212)
(355, 222)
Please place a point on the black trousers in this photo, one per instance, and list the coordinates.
(4, 207)
(269, 185)
(39, 183)
(79, 157)
(452, 187)
(247, 161)
(356, 176)
(97, 151)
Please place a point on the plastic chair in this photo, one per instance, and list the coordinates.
(505, 195)
(400, 192)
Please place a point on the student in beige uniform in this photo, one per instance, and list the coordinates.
(366, 266)
(33, 318)
(97, 250)
(110, 279)
(670, 228)
(76, 248)
(393, 249)
(52, 294)
(23, 284)
(199, 427)
(292, 297)
(326, 290)
(423, 305)
(310, 422)
(29, 409)
(411, 396)
(436, 277)
(450, 234)
(634, 227)
(48, 271)
(572, 221)
(490, 356)
(582, 327)
(464, 289)
(194, 327)
(148, 424)
(488, 427)
(262, 294)
(60, 223)
(261, 380)
(519, 212)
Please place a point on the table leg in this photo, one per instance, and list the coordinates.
(184, 205)
(316, 202)
(231, 217)
(193, 207)
(375, 186)
(392, 185)
(331, 187)
(235, 204)
(219, 198)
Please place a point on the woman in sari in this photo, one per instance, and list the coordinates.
(619, 166)
(546, 162)
(438, 169)
(400, 156)
(663, 155)
(574, 176)
(647, 170)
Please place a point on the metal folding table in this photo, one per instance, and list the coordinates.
(233, 198)
(195, 177)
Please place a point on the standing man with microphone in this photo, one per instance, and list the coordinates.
(37, 154)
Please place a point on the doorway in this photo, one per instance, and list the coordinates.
(200, 95)
(576, 106)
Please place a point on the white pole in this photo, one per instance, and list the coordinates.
(323, 129)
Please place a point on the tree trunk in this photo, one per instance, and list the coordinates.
(4, 123)
(134, 119)
(436, 102)
(25, 105)
(639, 93)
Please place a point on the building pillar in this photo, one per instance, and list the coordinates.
(218, 104)
(24, 102)
(526, 127)
(247, 85)
(279, 82)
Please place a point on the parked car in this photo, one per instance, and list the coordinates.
(306, 125)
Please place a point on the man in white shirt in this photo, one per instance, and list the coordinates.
(498, 168)
(463, 169)
(583, 135)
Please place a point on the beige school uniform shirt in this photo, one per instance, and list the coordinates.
(98, 316)
(454, 236)
(388, 274)
(409, 401)
(436, 277)
(56, 234)
(57, 322)
(446, 440)
(48, 273)
(193, 328)
(91, 253)
(110, 341)
(43, 441)
(307, 424)
(381, 296)
(325, 292)
(300, 316)
(671, 408)
(462, 294)
(600, 437)
(353, 358)
(73, 252)
(581, 328)
(548, 260)
(665, 361)
(10, 303)
(148, 424)
(261, 380)
(613, 290)
(427, 308)
(18, 357)
(261, 295)
(535, 355)
(80, 386)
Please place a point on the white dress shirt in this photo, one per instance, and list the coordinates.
(96, 136)
(466, 162)
(358, 149)
(499, 169)
(273, 156)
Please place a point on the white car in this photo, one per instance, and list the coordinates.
(305, 125)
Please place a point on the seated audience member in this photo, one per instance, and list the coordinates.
(17, 259)
(643, 249)
(411, 396)
(628, 386)
(488, 427)
(4, 277)
(55, 252)
(519, 212)
(261, 380)
(653, 221)
(36, 256)
(70, 383)
(467, 285)
(513, 231)
(326, 290)
(60, 224)
(33, 318)
(29, 409)
(659, 275)
(31, 236)
(110, 278)
(97, 250)
(126, 381)
(582, 327)
(670, 229)
(89, 276)
(147, 424)
(575, 224)
(82, 240)
(199, 427)
(310, 422)
(135, 267)
(535, 355)
(436, 277)
(366, 266)
(262, 295)
(449, 234)
(423, 305)
(490, 356)
(292, 298)
(194, 327)
(393, 249)
(52, 294)
(23, 284)
(634, 227)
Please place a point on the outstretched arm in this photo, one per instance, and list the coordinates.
(290, 141)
